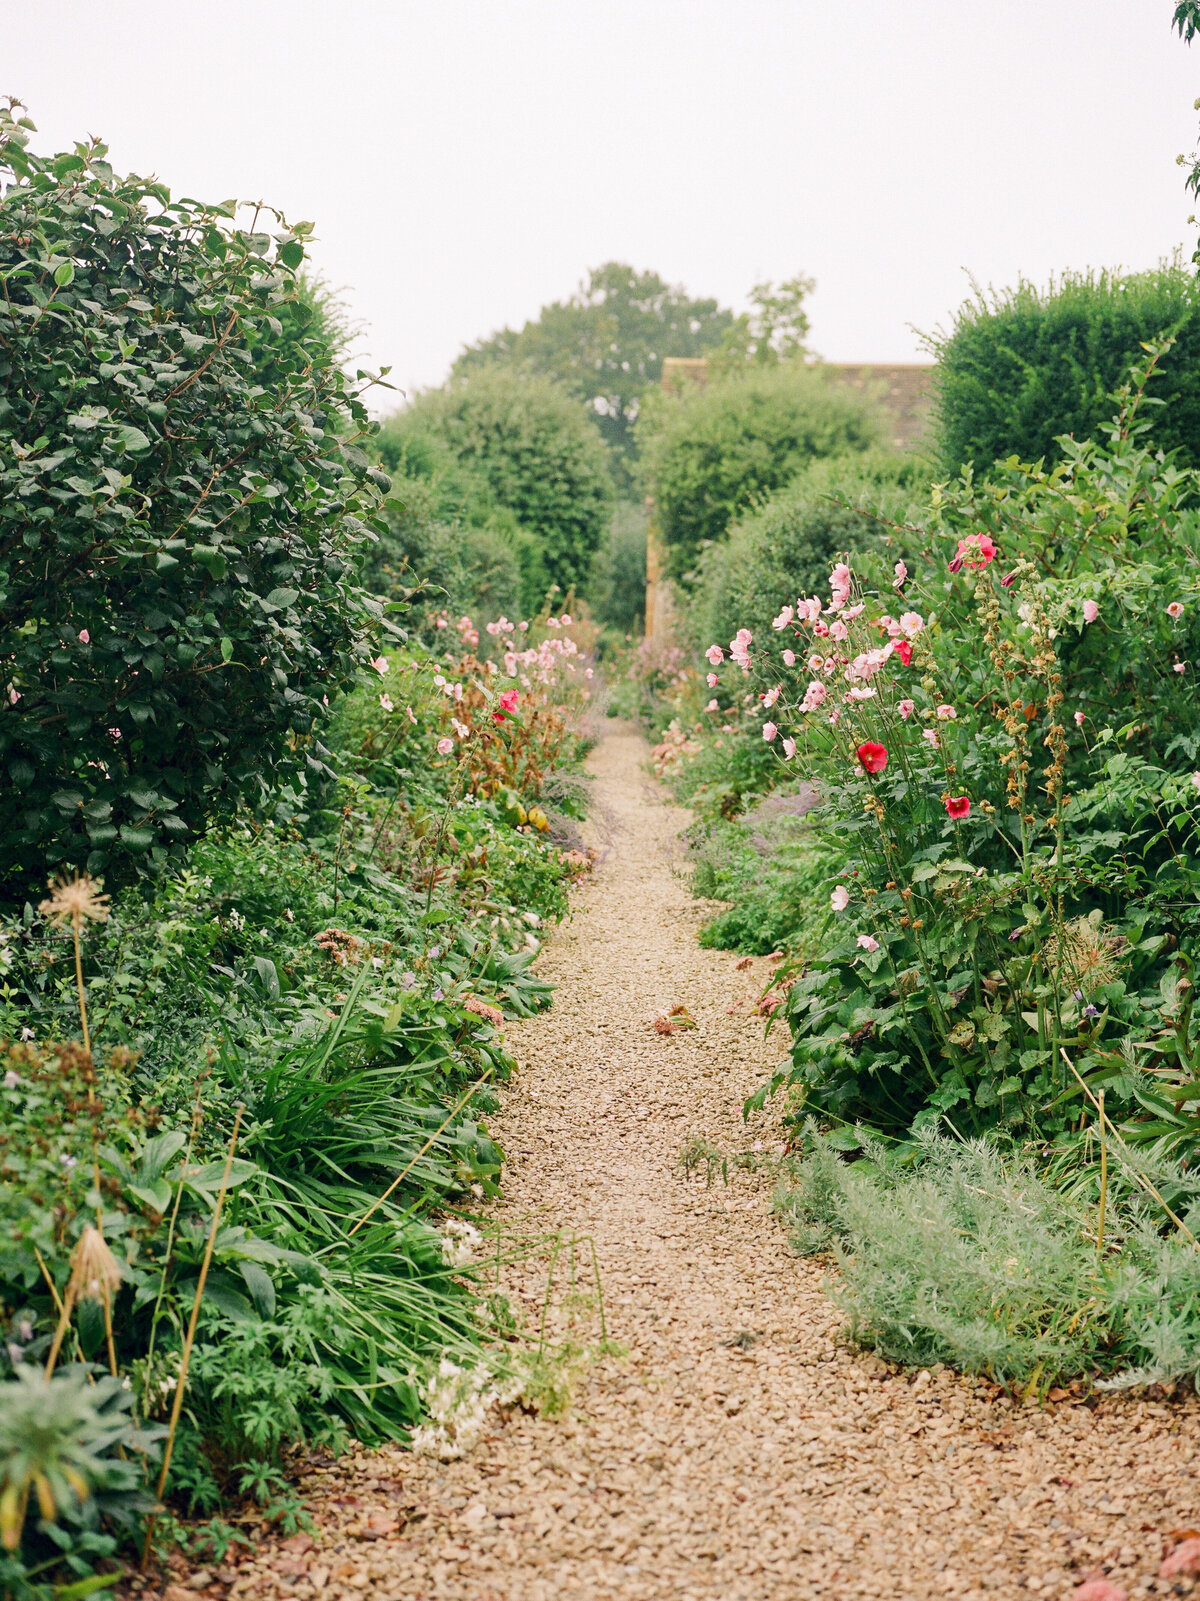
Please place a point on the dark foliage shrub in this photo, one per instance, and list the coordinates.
(617, 587)
(713, 452)
(181, 511)
(527, 444)
(785, 547)
(1021, 367)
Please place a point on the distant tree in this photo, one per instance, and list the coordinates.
(606, 345)
(774, 330)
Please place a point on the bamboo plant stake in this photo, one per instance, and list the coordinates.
(1103, 1176)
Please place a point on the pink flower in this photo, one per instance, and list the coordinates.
(784, 618)
(816, 664)
(712, 707)
(838, 630)
(379, 663)
(906, 709)
(408, 712)
(565, 620)
(715, 655)
(442, 622)
(813, 696)
(1080, 718)
(1184, 1559)
(946, 714)
(808, 611)
(840, 898)
(1179, 667)
(1175, 609)
(769, 731)
(957, 806)
(444, 747)
(386, 702)
(820, 628)
(1099, 1590)
(789, 658)
(912, 623)
(509, 699)
(866, 943)
(852, 612)
(975, 551)
(84, 637)
(901, 572)
(771, 697)
(739, 648)
(712, 680)
(524, 627)
(1196, 781)
(1090, 611)
(14, 695)
(861, 694)
(904, 651)
(932, 736)
(460, 729)
(789, 749)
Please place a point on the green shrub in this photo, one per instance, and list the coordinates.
(1022, 367)
(178, 541)
(529, 444)
(712, 452)
(786, 546)
(960, 1253)
(617, 586)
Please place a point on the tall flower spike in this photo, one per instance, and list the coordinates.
(74, 899)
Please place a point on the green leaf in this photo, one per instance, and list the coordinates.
(155, 1196)
(291, 254)
(227, 650)
(64, 274)
(137, 839)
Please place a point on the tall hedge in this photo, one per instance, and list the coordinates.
(1020, 367)
(182, 508)
(711, 453)
(527, 441)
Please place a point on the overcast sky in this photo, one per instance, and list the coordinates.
(466, 161)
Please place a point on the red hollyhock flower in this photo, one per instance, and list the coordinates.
(508, 703)
(873, 757)
(904, 651)
(958, 806)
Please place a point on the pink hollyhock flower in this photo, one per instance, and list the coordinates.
(1175, 609)
(444, 747)
(769, 732)
(715, 655)
(874, 758)
(901, 572)
(906, 709)
(84, 637)
(771, 697)
(904, 651)
(957, 806)
(1179, 667)
(386, 702)
(975, 551)
(1090, 611)
(1008, 580)
(552, 622)
(946, 714)
(784, 618)
(866, 943)
(1099, 1590)
(789, 658)
(524, 627)
(1079, 719)
(932, 736)
(712, 680)
(839, 898)
(379, 663)
(912, 623)
(565, 620)
(712, 707)
(789, 748)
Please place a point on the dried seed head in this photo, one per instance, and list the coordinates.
(74, 899)
(95, 1271)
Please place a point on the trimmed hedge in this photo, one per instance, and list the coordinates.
(1022, 366)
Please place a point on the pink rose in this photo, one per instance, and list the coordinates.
(1090, 611)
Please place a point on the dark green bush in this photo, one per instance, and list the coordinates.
(785, 547)
(617, 587)
(712, 453)
(178, 542)
(1022, 366)
(529, 445)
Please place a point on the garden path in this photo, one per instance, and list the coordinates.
(740, 1449)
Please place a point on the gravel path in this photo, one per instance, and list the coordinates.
(740, 1449)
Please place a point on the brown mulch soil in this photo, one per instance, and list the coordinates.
(741, 1449)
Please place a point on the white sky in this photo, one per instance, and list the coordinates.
(467, 160)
